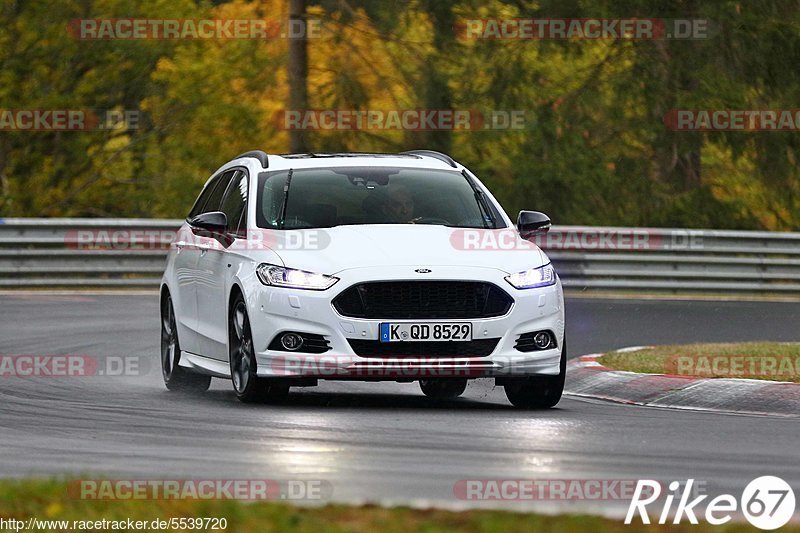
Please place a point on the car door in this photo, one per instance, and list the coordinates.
(187, 255)
(187, 263)
(215, 266)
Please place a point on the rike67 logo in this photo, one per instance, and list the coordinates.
(767, 503)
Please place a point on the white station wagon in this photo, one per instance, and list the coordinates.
(351, 266)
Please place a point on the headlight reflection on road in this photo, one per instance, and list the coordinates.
(308, 452)
(307, 458)
(543, 436)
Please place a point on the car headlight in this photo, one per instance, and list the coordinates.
(533, 277)
(293, 278)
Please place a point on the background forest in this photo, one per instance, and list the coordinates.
(594, 150)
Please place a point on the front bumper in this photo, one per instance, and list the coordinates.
(275, 310)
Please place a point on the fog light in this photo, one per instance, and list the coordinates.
(291, 341)
(542, 340)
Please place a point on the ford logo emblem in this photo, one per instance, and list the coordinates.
(423, 271)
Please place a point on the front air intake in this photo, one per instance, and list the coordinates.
(423, 300)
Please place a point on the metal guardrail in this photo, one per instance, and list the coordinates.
(70, 253)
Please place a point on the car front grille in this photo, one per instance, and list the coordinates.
(476, 348)
(423, 300)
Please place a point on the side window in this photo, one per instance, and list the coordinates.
(235, 202)
(215, 199)
(212, 194)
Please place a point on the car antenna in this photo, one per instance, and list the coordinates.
(282, 218)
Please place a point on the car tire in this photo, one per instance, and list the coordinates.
(248, 386)
(538, 392)
(176, 378)
(442, 389)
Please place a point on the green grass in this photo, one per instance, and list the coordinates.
(752, 360)
(50, 500)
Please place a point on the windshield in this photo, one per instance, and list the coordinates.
(327, 197)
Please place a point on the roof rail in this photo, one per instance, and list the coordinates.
(256, 154)
(434, 154)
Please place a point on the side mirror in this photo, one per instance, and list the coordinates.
(532, 223)
(215, 223)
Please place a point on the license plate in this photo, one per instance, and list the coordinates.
(426, 331)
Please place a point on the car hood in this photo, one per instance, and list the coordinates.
(333, 250)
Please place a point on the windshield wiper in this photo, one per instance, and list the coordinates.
(282, 217)
(483, 206)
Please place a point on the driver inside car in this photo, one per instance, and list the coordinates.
(399, 206)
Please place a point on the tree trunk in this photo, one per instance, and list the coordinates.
(436, 90)
(297, 70)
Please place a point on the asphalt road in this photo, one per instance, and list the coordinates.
(380, 442)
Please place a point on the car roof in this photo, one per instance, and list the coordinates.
(414, 159)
